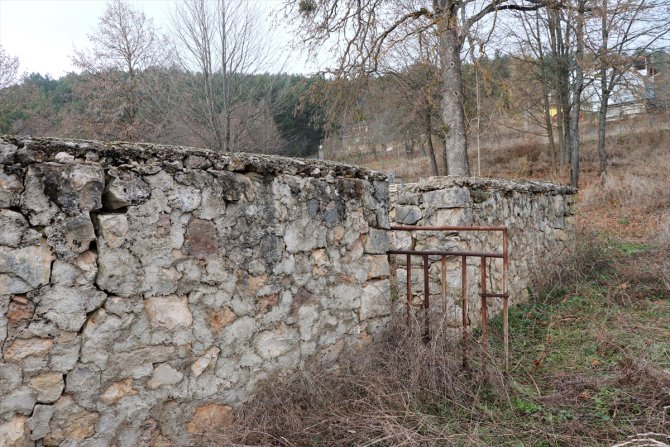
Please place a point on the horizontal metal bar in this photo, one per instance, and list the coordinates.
(415, 228)
(444, 253)
(497, 295)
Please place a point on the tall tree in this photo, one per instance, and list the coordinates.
(629, 30)
(219, 42)
(122, 48)
(576, 90)
(9, 67)
(363, 31)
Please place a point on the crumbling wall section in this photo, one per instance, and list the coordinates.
(146, 289)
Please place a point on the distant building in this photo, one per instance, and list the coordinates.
(642, 88)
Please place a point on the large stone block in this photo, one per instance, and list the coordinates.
(21, 348)
(168, 312)
(408, 214)
(68, 306)
(447, 198)
(125, 189)
(118, 272)
(13, 225)
(378, 242)
(113, 229)
(11, 188)
(24, 269)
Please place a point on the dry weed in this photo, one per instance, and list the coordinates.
(397, 391)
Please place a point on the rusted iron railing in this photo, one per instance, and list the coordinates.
(485, 294)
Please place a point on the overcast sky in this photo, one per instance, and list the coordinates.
(42, 33)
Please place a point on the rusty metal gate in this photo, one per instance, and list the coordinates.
(484, 294)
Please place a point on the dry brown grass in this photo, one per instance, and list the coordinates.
(589, 367)
(396, 391)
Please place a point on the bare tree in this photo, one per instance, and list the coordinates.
(219, 42)
(577, 87)
(9, 67)
(629, 29)
(363, 31)
(122, 48)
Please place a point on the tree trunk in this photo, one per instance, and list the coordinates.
(429, 142)
(453, 117)
(604, 90)
(576, 94)
(602, 121)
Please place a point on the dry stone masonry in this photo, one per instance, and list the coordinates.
(146, 289)
(538, 215)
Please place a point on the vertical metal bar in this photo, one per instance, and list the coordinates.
(409, 290)
(464, 305)
(485, 335)
(505, 301)
(444, 287)
(506, 334)
(426, 298)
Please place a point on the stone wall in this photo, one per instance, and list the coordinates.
(145, 289)
(539, 217)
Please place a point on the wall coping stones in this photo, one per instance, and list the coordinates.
(27, 150)
(522, 186)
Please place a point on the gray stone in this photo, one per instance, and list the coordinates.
(68, 306)
(168, 312)
(377, 242)
(185, 199)
(75, 188)
(7, 153)
(119, 362)
(344, 297)
(164, 375)
(10, 377)
(20, 401)
(118, 272)
(64, 355)
(113, 229)
(125, 189)
(408, 214)
(83, 383)
(375, 300)
(13, 225)
(11, 188)
(34, 202)
(24, 269)
(71, 236)
(100, 332)
(453, 217)
(196, 162)
(447, 198)
(38, 424)
(272, 344)
(406, 198)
